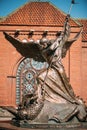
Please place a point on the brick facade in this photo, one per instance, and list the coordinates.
(75, 62)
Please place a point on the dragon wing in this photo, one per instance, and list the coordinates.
(27, 49)
(68, 44)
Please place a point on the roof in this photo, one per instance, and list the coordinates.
(37, 13)
(84, 33)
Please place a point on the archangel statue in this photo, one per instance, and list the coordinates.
(54, 99)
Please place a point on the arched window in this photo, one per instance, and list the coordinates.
(26, 81)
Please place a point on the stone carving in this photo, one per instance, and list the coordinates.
(54, 99)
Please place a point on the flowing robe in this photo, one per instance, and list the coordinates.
(56, 86)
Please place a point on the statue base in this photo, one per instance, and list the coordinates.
(42, 126)
(49, 125)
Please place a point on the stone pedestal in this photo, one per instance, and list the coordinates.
(35, 126)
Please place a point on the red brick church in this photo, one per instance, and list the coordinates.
(39, 16)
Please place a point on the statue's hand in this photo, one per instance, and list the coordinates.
(67, 17)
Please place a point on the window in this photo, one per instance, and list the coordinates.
(26, 81)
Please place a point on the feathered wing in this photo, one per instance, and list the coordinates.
(68, 44)
(28, 49)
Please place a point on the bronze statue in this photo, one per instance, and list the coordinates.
(54, 89)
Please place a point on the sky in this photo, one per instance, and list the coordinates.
(78, 10)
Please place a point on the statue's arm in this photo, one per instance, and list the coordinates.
(66, 28)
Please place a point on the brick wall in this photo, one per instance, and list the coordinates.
(84, 71)
(74, 62)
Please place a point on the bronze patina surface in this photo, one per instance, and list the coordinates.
(54, 102)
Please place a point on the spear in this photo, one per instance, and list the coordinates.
(72, 3)
(42, 86)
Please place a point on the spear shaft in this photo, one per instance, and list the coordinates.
(72, 3)
(42, 86)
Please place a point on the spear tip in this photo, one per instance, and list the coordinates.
(73, 2)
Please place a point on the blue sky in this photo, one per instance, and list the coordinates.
(78, 10)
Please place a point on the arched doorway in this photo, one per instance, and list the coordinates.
(27, 72)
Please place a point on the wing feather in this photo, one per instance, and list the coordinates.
(68, 44)
(28, 49)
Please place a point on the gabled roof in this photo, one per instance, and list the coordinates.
(84, 33)
(37, 13)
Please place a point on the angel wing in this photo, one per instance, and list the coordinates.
(28, 49)
(68, 44)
